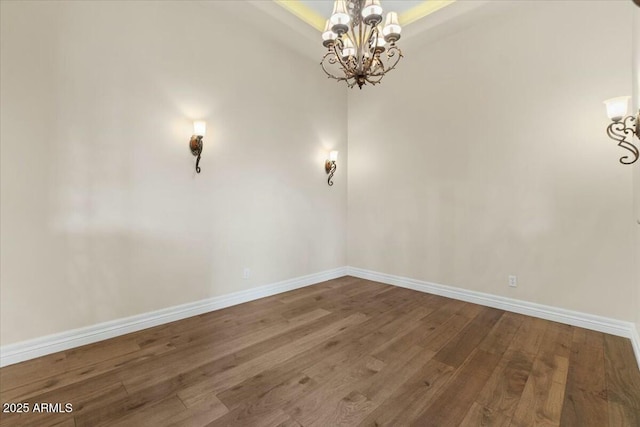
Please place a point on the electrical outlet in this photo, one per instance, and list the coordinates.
(246, 273)
(513, 281)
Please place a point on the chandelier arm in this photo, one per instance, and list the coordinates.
(392, 52)
(327, 57)
(369, 44)
(333, 57)
(374, 79)
(621, 131)
(344, 65)
(370, 40)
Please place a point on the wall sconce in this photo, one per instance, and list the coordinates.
(330, 166)
(199, 130)
(623, 127)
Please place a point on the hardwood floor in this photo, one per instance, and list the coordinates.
(344, 352)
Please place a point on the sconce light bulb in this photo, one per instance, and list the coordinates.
(617, 107)
(333, 156)
(199, 128)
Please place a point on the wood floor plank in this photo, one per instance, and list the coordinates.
(343, 352)
(150, 416)
(542, 398)
(452, 405)
(205, 411)
(585, 399)
(499, 338)
(503, 391)
(464, 343)
(623, 382)
(270, 400)
(320, 360)
(212, 361)
(529, 336)
(84, 373)
(31, 371)
(406, 403)
(274, 418)
(237, 374)
(480, 415)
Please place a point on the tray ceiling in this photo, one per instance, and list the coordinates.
(316, 12)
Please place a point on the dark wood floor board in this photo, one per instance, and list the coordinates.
(409, 400)
(343, 352)
(320, 360)
(192, 369)
(586, 396)
(31, 371)
(266, 402)
(503, 390)
(272, 419)
(240, 373)
(205, 411)
(211, 361)
(419, 334)
(623, 377)
(362, 348)
(623, 415)
(332, 286)
(86, 396)
(330, 371)
(321, 402)
(623, 382)
(451, 405)
(393, 375)
(543, 395)
(557, 340)
(464, 343)
(149, 416)
(542, 398)
(483, 416)
(344, 298)
(371, 303)
(468, 310)
(85, 373)
(529, 335)
(445, 332)
(499, 338)
(365, 393)
(223, 329)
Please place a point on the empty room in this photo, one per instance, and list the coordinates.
(320, 213)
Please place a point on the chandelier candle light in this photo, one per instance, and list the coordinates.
(360, 49)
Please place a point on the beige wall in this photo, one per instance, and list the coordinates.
(102, 214)
(485, 155)
(495, 163)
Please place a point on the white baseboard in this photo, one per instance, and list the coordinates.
(635, 342)
(575, 318)
(25, 350)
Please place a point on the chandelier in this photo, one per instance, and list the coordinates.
(360, 49)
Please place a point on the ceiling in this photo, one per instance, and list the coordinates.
(297, 24)
(316, 12)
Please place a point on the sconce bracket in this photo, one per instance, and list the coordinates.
(195, 144)
(330, 168)
(623, 131)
